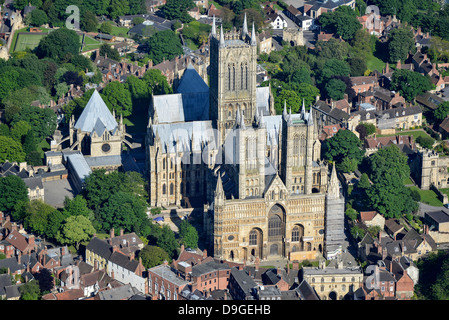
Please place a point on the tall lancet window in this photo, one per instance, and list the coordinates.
(229, 77)
(241, 77)
(246, 77)
(233, 78)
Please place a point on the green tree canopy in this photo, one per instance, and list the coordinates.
(400, 43)
(335, 89)
(188, 235)
(12, 191)
(344, 144)
(59, 45)
(11, 150)
(177, 10)
(117, 96)
(153, 256)
(74, 230)
(35, 216)
(164, 45)
(343, 22)
(410, 83)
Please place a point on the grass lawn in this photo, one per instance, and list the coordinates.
(42, 147)
(90, 43)
(415, 134)
(24, 41)
(429, 197)
(191, 44)
(408, 181)
(374, 63)
(445, 191)
(119, 31)
(217, 5)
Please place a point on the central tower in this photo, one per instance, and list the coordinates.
(233, 61)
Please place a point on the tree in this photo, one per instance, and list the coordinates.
(77, 206)
(35, 216)
(37, 17)
(118, 8)
(153, 256)
(410, 83)
(30, 291)
(335, 89)
(124, 211)
(106, 50)
(12, 190)
(105, 27)
(167, 241)
(425, 141)
(344, 144)
(357, 65)
(43, 121)
(343, 22)
(59, 45)
(19, 129)
(177, 10)
(89, 21)
(157, 82)
(400, 43)
(388, 169)
(11, 150)
(117, 97)
(364, 182)
(348, 165)
(165, 44)
(188, 235)
(351, 214)
(74, 230)
(442, 111)
(55, 220)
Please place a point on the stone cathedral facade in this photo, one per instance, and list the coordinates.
(258, 177)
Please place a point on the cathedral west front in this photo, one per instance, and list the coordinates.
(258, 177)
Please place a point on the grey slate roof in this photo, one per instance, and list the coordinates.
(191, 82)
(121, 293)
(100, 247)
(79, 165)
(123, 261)
(95, 110)
(306, 292)
(182, 131)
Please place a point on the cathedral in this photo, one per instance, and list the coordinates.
(258, 177)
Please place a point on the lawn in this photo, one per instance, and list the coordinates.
(24, 41)
(445, 191)
(90, 43)
(414, 133)
(429, 197)
(119, 31)
(408, 181)
(374, 63)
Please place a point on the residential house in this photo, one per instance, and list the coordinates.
(364, 83)
(437, 223)
(20, 243)
(305, 22)
(265, 42)
(386, 121)
(443, 128)
(98, 253)
(393, 227)
(429, 101)
(71, 294)
(315, 8)
(329, 114)
(8, 290)
(372, 219)
(241, 285)
(127, 270)
(381, 98)
(201, 3)
(404, 284)
(404, 142)
(165, 284)
(272, 18)
(330, 130)
(27, 174)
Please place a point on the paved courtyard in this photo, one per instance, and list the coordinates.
(56, 191)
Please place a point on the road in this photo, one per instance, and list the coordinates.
(426, 208)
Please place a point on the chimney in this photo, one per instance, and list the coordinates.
(121, 232)
(182, 248)
(112, 233)
(295, 265)
(256, 264)
(204, 254)
(19, 257)
(31, 240)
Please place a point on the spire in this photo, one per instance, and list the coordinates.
(219, 192)
(310, 118)
(253, 36)
(242, 121)
(237, 117)
(214, 30)
(245, 28)
(284, 113)
(221, 36)
(334, 187)
(303, 110)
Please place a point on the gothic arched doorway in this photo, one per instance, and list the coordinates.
(276, 230)
(333, 295)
